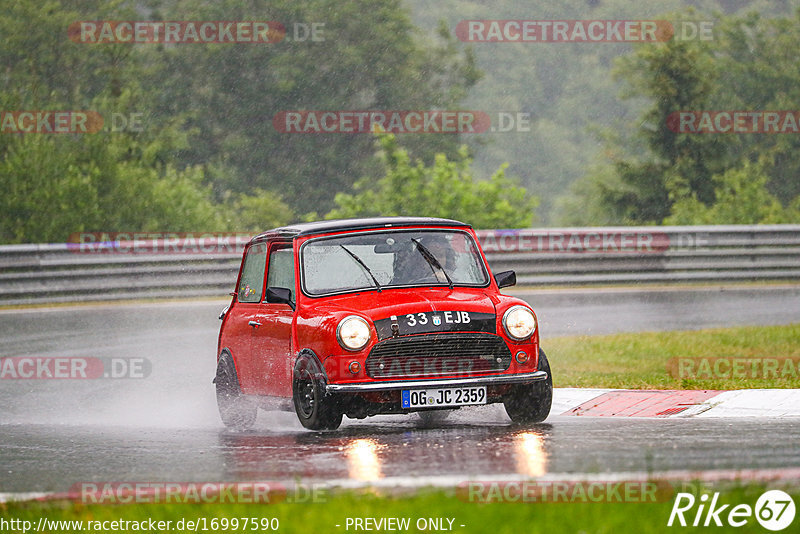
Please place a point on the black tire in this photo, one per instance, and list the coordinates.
(530, 403)
(434, 417)
(236, 410)
(315, 409)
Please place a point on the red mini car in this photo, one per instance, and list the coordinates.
(375, 316)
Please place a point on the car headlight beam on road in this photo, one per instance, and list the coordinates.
(519, 323)
(352, 333)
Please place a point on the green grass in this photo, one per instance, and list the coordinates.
(495, 518)
(640, 360)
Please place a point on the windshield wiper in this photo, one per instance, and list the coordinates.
(364, 265)
(432, 261)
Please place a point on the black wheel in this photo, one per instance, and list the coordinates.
(530, 403)
(434, 417)
(315, 409)
(236, 410)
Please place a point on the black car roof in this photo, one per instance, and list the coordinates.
(322, 227)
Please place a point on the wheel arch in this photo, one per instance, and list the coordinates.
(226, 352)
(316, 359)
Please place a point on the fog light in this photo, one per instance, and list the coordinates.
(521, 356)
(354, 367)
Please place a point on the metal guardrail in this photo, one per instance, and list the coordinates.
(49, 273)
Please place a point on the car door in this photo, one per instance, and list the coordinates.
(242, 314)
(271, 339)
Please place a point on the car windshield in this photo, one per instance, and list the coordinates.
(376, 260)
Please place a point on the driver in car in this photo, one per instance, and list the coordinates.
(411, 265)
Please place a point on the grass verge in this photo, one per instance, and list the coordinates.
(442, 505)
(649, 360)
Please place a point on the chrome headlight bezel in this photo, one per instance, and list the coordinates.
(513, 331)
(350, 322)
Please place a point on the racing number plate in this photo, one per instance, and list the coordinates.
(433, 398)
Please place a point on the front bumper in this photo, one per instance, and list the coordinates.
(392, 385)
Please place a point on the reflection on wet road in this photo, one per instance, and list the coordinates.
(396, 450)
(55, 433)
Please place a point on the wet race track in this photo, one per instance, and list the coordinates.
(58, 433)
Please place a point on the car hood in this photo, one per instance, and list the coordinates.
(400, 302)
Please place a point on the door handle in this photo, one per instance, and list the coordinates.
(253, 323)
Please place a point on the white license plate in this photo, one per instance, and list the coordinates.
(433, 398)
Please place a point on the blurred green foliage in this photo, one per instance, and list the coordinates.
(206, 157)
(583, 117)
(445, 189)
(657, 175)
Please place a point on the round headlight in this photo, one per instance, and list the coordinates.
(353, 333)
(519, 323)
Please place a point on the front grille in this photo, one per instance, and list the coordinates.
(438, 355)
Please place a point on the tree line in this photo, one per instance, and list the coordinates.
(188, 141)
(717, 140)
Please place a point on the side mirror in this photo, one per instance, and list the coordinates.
(506, 279)
(280, 295)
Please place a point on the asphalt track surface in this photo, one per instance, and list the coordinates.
(164, 428)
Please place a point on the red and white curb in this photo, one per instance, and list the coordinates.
(676, 403)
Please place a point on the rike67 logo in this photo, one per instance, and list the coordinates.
(774, 510)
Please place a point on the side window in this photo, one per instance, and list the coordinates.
(281, 268)
(251, 285)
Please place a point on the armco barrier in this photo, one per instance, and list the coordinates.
(48, 273)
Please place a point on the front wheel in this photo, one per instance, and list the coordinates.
(235, 409)
(315, 409)
(530, 403)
